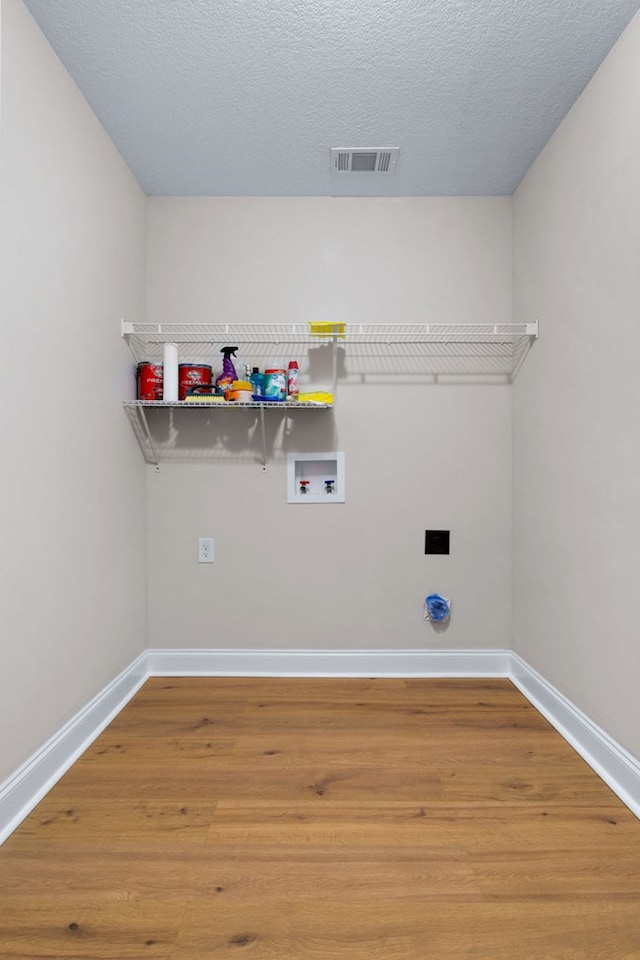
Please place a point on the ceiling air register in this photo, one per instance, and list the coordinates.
(361, 160)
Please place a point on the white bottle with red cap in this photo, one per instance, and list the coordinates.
(292, 380)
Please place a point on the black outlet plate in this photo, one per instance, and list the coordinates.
(436, 541)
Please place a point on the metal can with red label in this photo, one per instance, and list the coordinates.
(149, 381)
(192, 375)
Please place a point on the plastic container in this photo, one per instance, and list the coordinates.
(326, 328)
(275, 384)
(240, 392)
(293, 375)
(257, 382)
(228, 375)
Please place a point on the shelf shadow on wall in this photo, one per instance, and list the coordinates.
(267, 435)
(428, 363)
(416, 364)
(447, 363)
(234, 436)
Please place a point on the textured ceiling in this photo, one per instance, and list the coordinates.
(246, 97)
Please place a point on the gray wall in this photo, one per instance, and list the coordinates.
(576, 426)
(417, 455)
(72, 582)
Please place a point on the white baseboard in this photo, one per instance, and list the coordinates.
(29, 784)
(26, 787)
(615, 765)
(329, 663)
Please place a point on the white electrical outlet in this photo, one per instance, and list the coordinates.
(205, 550)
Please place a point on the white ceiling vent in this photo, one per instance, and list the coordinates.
(360, 160)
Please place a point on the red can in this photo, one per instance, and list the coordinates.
(192, 375)
(149, 381)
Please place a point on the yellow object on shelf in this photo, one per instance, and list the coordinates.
(240, 392)
(326, 328)
(203, 398)
(317, 396)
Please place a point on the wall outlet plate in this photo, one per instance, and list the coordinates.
(205, 550)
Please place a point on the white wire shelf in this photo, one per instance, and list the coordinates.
(153, 451)
(353, 353)
(216, 405)
(146, 340)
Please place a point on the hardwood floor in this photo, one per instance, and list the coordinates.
(324, 819)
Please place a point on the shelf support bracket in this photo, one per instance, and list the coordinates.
(142, 417)
(264, 439)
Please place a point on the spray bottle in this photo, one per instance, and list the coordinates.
(292, 380)
(228, 375)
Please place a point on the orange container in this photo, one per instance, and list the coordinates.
(241, 392)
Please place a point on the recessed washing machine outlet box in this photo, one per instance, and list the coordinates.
(315, 478)
(436, 541)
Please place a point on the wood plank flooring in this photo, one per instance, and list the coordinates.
(217, 819)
